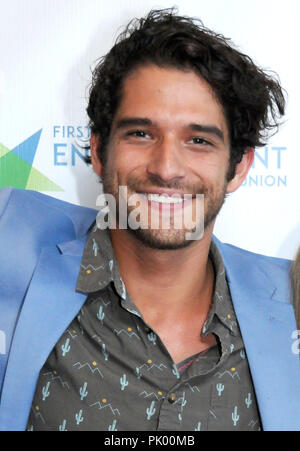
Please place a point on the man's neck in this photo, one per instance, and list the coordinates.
(175, 279)
(173, 290)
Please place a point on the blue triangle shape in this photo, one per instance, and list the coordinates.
(27, 149)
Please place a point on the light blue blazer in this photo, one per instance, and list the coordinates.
(41, 245)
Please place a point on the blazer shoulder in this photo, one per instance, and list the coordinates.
(251, 257)
(256, 270)
(44, 207)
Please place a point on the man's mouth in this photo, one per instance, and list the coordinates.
(164, 198)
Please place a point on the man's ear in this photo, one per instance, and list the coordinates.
(95, 145)
(241, 171)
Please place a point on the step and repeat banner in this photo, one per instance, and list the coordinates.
(48, 49)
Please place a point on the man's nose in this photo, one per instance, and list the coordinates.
(166, 161)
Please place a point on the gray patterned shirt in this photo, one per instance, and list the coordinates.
(109, 371)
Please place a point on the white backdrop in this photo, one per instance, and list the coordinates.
(47, 50)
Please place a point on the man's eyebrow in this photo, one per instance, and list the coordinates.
(132, 122)
(211, 129)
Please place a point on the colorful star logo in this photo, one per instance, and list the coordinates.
(16, 167)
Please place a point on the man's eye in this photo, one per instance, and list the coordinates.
(198, 140)
(138, 134)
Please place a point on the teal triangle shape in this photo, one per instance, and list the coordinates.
(27, 149)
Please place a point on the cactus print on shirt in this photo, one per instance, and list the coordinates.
(110, 372)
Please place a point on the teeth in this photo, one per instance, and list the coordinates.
(164, 199)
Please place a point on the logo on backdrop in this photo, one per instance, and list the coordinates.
(268, 168)
(68, 147)
(69, 144)
(16, 167)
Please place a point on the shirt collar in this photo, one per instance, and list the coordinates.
(221, 307)
(98, 265)
(99, 268)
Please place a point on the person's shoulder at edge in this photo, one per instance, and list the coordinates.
(250, 266)
(246, 254)
(7, 192)
(80, 216)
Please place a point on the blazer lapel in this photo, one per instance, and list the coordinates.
(29, 221)
(267, 323)
(49, 307)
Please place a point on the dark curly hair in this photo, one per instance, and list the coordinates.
(252, 100)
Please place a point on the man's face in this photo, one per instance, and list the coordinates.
(169, 136)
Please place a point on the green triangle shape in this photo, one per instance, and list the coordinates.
(39, 182)
(13, 171)
(3, 150)
(18, 173)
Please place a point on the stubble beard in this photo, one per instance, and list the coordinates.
(160, 239)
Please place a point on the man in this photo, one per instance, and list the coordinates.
(152, 328)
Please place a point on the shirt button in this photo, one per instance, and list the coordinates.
(172, 398)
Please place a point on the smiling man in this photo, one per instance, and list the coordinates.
(158, 327)
(169, 139)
